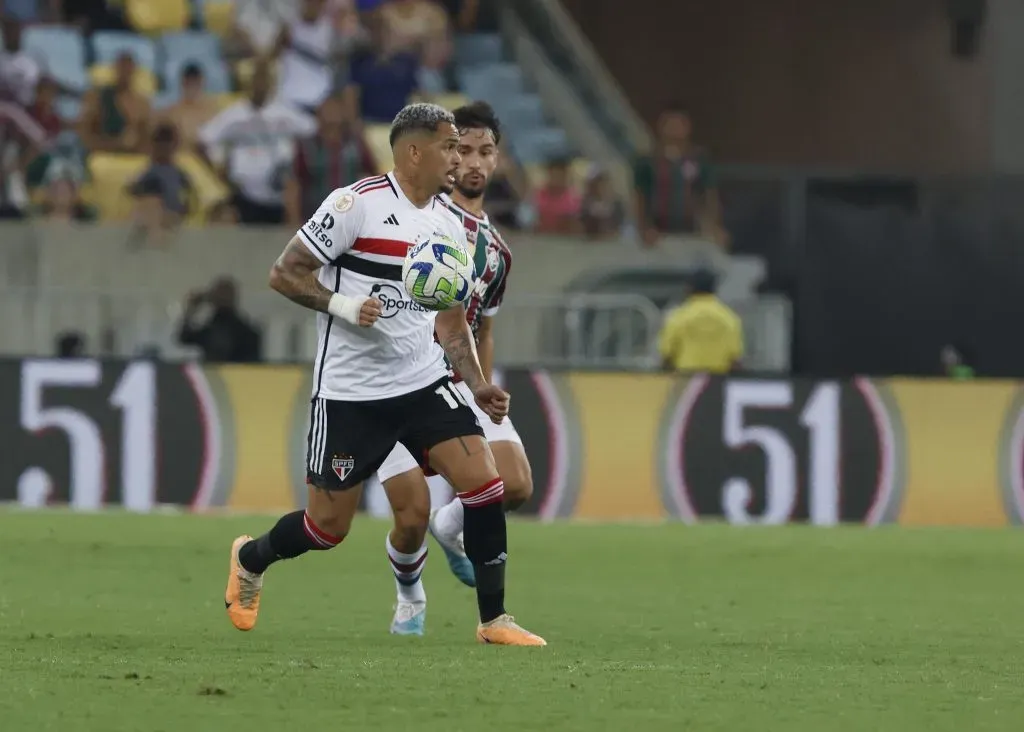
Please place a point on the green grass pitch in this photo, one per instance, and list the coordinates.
(116, 623)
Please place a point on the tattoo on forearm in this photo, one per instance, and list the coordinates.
(309, 293)
(459, 348)
(296, 278)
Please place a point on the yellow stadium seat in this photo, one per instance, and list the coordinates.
(157, 16)
(209, 189)
(218, 17)
(111, 172)
(450, 100)
(144, 82)
(226, 99)
(377, 140)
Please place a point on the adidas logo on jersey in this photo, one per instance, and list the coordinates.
(392, 219)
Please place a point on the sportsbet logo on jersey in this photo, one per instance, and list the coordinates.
(393, 300)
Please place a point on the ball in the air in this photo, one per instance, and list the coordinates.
(438, 272)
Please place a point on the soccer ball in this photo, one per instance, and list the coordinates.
(438, 272)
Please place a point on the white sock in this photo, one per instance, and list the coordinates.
(450, 518)
(408, 569)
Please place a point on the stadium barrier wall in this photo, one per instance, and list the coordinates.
(604, 446)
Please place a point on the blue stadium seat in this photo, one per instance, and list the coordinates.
(190, 45)
(520, 111)
(69, 108)
(476, 49)
(108, 45)
(62, 51)
(542, 145)
(491, 81)
(216, 73)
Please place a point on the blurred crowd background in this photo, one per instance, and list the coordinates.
(822, 190)
(251, 111)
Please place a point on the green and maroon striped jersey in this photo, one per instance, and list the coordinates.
(492, 259)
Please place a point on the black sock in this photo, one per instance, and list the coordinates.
(487, 548)
(293, 535)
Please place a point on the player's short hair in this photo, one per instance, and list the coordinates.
(419, 117)
(478, 115)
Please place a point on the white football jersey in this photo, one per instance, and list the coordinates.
(361, 233)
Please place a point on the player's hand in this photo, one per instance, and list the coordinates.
(369, 312)
(493, 400)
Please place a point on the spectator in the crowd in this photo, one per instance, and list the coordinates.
(675, 189)
(386, 75)
(163, 193)
(955, 364)
(19, 70)
(308, 57)
(506, 191)
(250, 145)
(703, 334)
(226, 336)
(62, 201)
(194, 109)
(22, 138)
(44, 108)
(557, 201)
(335, 157)
(601, 211)
(466, 14)
(70, 344)
(255, 26)
(116, 118)
(414, 24)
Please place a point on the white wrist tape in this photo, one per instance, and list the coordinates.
(346, 308)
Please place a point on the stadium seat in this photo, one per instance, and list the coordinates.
(69, 108)
(475, 49)
(520, 111)
(157, 16)
(227, 99)
(217, 16)
(108, 45)
(449, 100)
(63, 52)
(190, 45)
(110, 174)
(542, 145)
(377, 140)
(491, 81)
(144, 81)
(209, 189)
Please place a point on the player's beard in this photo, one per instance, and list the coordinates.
(471, 192)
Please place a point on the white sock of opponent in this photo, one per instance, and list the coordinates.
(449, 519)
(408, 569)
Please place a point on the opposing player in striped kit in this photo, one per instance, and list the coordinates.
(380, 377)
(403, 481)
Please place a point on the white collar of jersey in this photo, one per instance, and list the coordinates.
(393, 179)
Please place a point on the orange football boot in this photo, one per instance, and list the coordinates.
(242, 597)
(503, 631)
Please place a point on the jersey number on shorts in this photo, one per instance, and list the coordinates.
(452, 396)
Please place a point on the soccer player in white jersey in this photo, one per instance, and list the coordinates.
(400, 474)
(380, 376)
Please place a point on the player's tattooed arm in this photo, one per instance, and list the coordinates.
(456, 339)
(294, 276)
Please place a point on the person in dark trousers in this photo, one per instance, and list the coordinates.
(227, 337)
